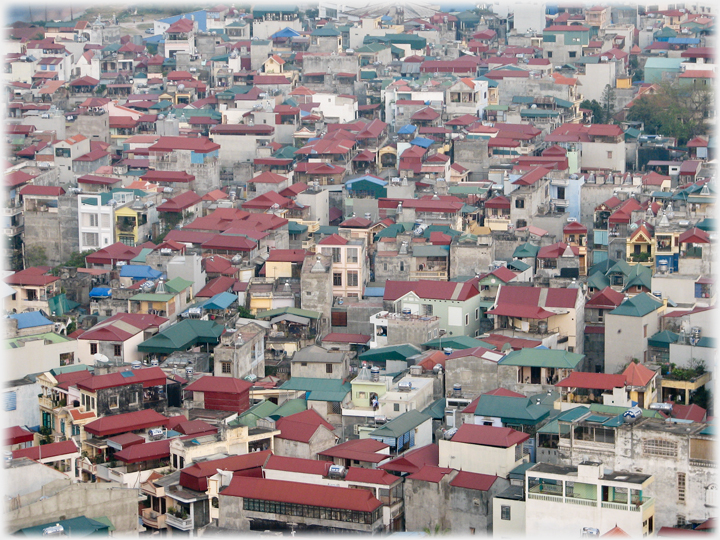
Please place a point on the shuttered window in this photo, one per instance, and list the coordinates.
(339, 318)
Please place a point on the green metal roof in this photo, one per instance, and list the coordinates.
(457, 342)
(178, 284)
(461, 189)
(620, 267)
(511, 410)
(326, 31)
(59, 305)
(394, 352)
(182, 336)
(598, 281)
(518, 473)
(286, 152)
(290, 311)
(663, 339)
(69, 369)
(640, 276)
(436, 410)
(519, 265)
(538, 113)
(268, 408)
(371, 48)
(141, 257)
(431, 251)
(547, 358)
(637, 306)
(367, 74)
(526, 250)
(80, 526)
(319, 389)
(401, 425)
(296, 228)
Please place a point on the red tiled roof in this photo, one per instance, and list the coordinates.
(229, 243)
(367, 450)
(431, 473)
(180, 203)
(226, 385)
(489, 436)
(414, 460)
(688, 412)
(122, 423)
(333, 240)
(301, 426)
(293, 464)
(592, 381)
(532, 176)
(47, 451)
(556, 250)
(201, 145)
(359, 500)
(694, 236)
(575, 227)
(216, 286)
(121, 327)
(268, 178)
(338, 337)
(638, 375)
(470, 480)
(438, 290)
(370, 476)
(17, 435)
(36, 275)
(148, 451)
(151, 376)
(53, 191)
(167, 176)
(195, 427)
(608, 298)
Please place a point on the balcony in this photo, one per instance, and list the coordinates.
(179, 523)
(153, 519)
(560, 182)
(436, 275)
(497, 223)
(12, 210)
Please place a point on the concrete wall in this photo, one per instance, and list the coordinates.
(475, 375)
(599, 155)
(467, 259)
(625, 339)
(35, 357)
(358, 316)
(96, 128)
(415, 331)
(319, 203)
(56, 232)
(317, 289)
(321, 440)
(591, 196)
(120, 505)
(595, 78)
(478, 459)
(27, 412)
(515, 526)
(473, 154)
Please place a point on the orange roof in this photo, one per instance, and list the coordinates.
(638, 375)
(560, 79)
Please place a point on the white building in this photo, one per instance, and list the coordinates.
(95, 222)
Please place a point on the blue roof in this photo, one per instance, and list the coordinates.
(139, 271)
(367, 179)
(221, 300)
(100, 291)
(200, 17)
(407, 129)
(373, 292)
(30, 319)
(683, 41)
(422, 142)
(285, 32)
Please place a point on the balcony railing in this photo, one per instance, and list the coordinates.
(428, 274)
(153, 519)
(179, 523)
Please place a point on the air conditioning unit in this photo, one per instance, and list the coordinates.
(571, 220)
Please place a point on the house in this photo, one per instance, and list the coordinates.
(517, 309)
(483, 450)
(349, 269)
(364, 453)
(474, 371)
(536, 370)
(596, 309)
(325, 396)
(304, 435)
(61, 455)
(182, 336)
(117, 337)
(614, 499)
(639, 317)
(456, 304)
(219, 393)
(409, 430)
(317, 362)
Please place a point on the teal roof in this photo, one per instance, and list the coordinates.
(401, 425)
(266, 408)
(59, 305)
(457, 342)
(394, 352)
(392, 231)
(69, 369)
(461, 189)
(613, 410)
(431, 251)
(511, 410)
(663, 339)
(637, 306)
(77, 526)
(436, 410)
(519, 265)
(286, 152)
(296, 228)
(221, 300)
(326, 31)
(538, 113)
(141, 257)
(371, 48)
(152, 297)
(640, 276)
(547, 358)
(319, 389)
(620, 267)
(182, 336)
(289, 311)
(526, 250)
(598, 281)
(518, 473)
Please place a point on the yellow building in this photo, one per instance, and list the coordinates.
(639, 247)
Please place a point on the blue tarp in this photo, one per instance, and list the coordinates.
(285, 33)
(30, 319)
(139, 271)
(371, 179)
(199, 16)
(100, 292)
(421, 142)
(407, 129)
(374, 292)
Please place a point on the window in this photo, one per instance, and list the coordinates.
(90, 239)
(600, 315)
(93, 348)
(472, 530)
(352, 279)
(10, 401)
(609, 155)
(427, 310)
(90, 220)
(477, 314)
(681, 520)
(681, 487)
(659, 447)
(135, 398)
(520, 223)
(645, 330)
(62, 152)
(114, 402)
(519, 203)
(336, 255)
(505, 512)
(549, 54)
(711, 495)
(467, 319)
(226, 368)
(352, 255)
(328, 368)
(396, 407)
(117, 350)
(402, 266)
(337, 279)
(573, 54)
(385, 267)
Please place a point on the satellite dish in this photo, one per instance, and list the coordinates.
(181, 87)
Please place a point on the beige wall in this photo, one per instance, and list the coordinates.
(515, 526)
(477, 459)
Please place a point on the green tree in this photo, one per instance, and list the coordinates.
(608, 102)
(35, 256)
(598, 115)
(437, 531)
(244, 313)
